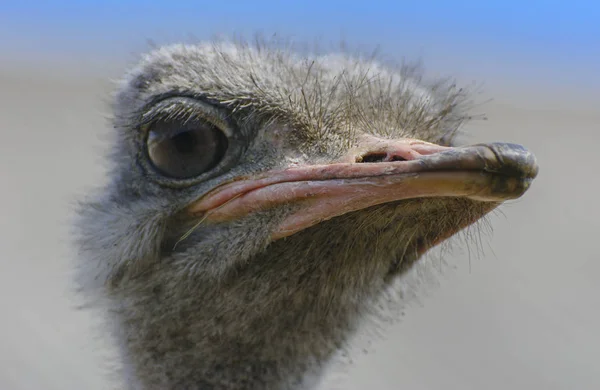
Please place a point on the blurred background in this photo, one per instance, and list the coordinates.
(524, 314)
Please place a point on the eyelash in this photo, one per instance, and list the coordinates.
(184, 108)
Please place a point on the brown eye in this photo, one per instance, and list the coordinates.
(187, 149)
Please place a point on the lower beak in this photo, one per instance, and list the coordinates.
(376, 172)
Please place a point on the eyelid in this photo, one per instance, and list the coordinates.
(166, 132)
(186, 108)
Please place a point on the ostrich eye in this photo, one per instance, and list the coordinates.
(183, 150)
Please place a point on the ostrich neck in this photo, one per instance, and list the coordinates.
(263, 327)
(276, 318)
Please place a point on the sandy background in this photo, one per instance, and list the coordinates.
(523, 315)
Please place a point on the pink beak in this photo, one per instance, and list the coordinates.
(377, 171)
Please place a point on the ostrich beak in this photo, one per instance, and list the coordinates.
(377, 171)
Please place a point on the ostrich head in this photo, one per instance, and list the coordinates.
(260, 202)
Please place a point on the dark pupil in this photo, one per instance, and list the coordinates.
(186, 150)
(185, 143)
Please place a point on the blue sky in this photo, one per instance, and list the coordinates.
(555, 32)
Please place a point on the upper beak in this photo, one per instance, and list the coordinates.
(377, 171)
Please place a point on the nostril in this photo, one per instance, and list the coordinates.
(378, 157)
(372, 158)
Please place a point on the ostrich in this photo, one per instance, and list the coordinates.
(260, 202)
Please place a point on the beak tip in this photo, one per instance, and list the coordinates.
(514, 160)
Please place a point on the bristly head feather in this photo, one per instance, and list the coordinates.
(325, 98)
